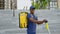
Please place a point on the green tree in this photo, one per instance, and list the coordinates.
(36, 4)
(43, 3)
(33, 3)
(40, 4)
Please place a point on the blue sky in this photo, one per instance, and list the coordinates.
(22, 3)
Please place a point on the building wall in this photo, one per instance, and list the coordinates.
(8, 4)
(58, 1)
(1, 4)
(13, 4)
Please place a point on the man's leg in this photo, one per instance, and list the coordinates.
(31, 32)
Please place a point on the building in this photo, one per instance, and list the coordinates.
(8, 4)
(1, 4)
(58, 3)
(12, 4)
(53, 4)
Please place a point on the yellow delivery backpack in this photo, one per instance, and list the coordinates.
(23, 20)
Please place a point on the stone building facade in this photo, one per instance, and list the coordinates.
(8, 4)
(58, 3)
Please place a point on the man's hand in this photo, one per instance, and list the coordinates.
(40, 22)
(45, 21)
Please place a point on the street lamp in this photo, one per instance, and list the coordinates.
(13, 9)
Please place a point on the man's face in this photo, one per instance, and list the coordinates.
(32, 11)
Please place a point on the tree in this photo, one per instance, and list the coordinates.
(40, 4)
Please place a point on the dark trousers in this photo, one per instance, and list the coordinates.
(31, 32)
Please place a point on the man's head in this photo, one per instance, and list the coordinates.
(32, 9)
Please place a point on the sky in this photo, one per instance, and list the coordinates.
(22, 3)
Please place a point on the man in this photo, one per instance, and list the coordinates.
(32, 21)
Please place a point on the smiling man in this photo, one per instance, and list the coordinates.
(32, 21)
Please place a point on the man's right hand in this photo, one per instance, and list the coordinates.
(45, 21)
(40, 22)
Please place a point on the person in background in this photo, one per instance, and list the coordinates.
(32, 21)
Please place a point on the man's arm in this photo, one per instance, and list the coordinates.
(36, 21)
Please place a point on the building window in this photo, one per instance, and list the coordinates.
(1, 4)
(53, 4)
